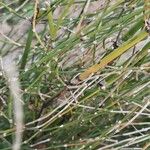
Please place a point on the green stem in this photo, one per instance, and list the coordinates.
(27, 50)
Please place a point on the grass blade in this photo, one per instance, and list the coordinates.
(113, 55)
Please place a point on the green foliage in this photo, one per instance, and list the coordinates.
(108, 108)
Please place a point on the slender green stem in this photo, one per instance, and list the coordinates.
(26, 50)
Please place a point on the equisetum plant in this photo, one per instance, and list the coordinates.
(75, 74)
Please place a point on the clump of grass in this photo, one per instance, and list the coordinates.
(84, 77)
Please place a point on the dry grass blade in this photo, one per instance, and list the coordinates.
(113, 55)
